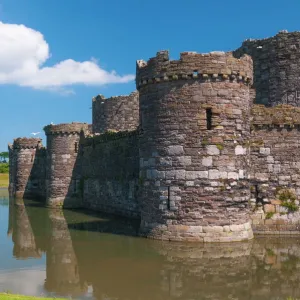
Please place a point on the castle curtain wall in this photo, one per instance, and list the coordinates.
(275, 167)
(111, 173)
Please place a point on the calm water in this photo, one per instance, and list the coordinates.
(72, 253)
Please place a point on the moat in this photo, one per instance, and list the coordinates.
(92, 256)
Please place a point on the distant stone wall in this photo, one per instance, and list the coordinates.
(110, 173)
(275, 169)
(276, 62)
(116, 113)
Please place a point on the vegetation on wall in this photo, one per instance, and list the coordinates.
(288, 199)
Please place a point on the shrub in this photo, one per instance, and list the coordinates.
(4, 168)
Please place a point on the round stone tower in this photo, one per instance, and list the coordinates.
(22, 161)
(63, 167)
(276, 63)
(116, 113)
(194, 154)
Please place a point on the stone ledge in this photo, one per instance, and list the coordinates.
(206, 234)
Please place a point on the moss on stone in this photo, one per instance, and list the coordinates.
(269, 215)
(220, 146)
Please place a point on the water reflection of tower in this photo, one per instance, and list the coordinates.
(135, 269)
(216, 271)
(62, 268)
(22, 236)
(10, 217)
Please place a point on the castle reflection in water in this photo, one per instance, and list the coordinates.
(85, 250)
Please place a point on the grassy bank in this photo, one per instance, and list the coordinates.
(3, 183)
(18, 297)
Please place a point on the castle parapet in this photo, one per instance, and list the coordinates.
(216, 66)
(280, 115)
(68, 128)
(116, 113)
(27, 143)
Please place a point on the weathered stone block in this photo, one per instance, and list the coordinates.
(207, 161)
(175, 150)
(213, 174)
(240, 150)
(269, 208)
(212, 150)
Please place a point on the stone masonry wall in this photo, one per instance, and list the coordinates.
(116, 113)
(110, 173)
(64, 164)
(276, 63)
(194, 154)
(275, 165)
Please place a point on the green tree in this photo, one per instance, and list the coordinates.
(3, 157)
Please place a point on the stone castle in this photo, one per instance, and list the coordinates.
(207, 149)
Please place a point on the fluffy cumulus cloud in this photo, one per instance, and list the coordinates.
(23, 53)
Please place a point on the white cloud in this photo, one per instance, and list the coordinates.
(23, 53)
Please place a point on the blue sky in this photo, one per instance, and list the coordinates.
(88, 39)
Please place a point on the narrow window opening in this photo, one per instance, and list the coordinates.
(208, 119)
(32, 156)
(76, 147)
(168, 203)
(195, 73)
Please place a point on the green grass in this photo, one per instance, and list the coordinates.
(3, 182)
(4, 296)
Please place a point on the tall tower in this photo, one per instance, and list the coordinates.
(63, 166)
(276, 62)
(194, 154)
(26, 168)
(116, 113)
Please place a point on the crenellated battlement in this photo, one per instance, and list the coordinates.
(282, 34)
(27, 143)
(108, 136)
(215, 66)
(102, 98)
(278, 116)
(67, 128)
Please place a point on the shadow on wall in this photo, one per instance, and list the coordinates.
(74, 196)
(35, 187)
